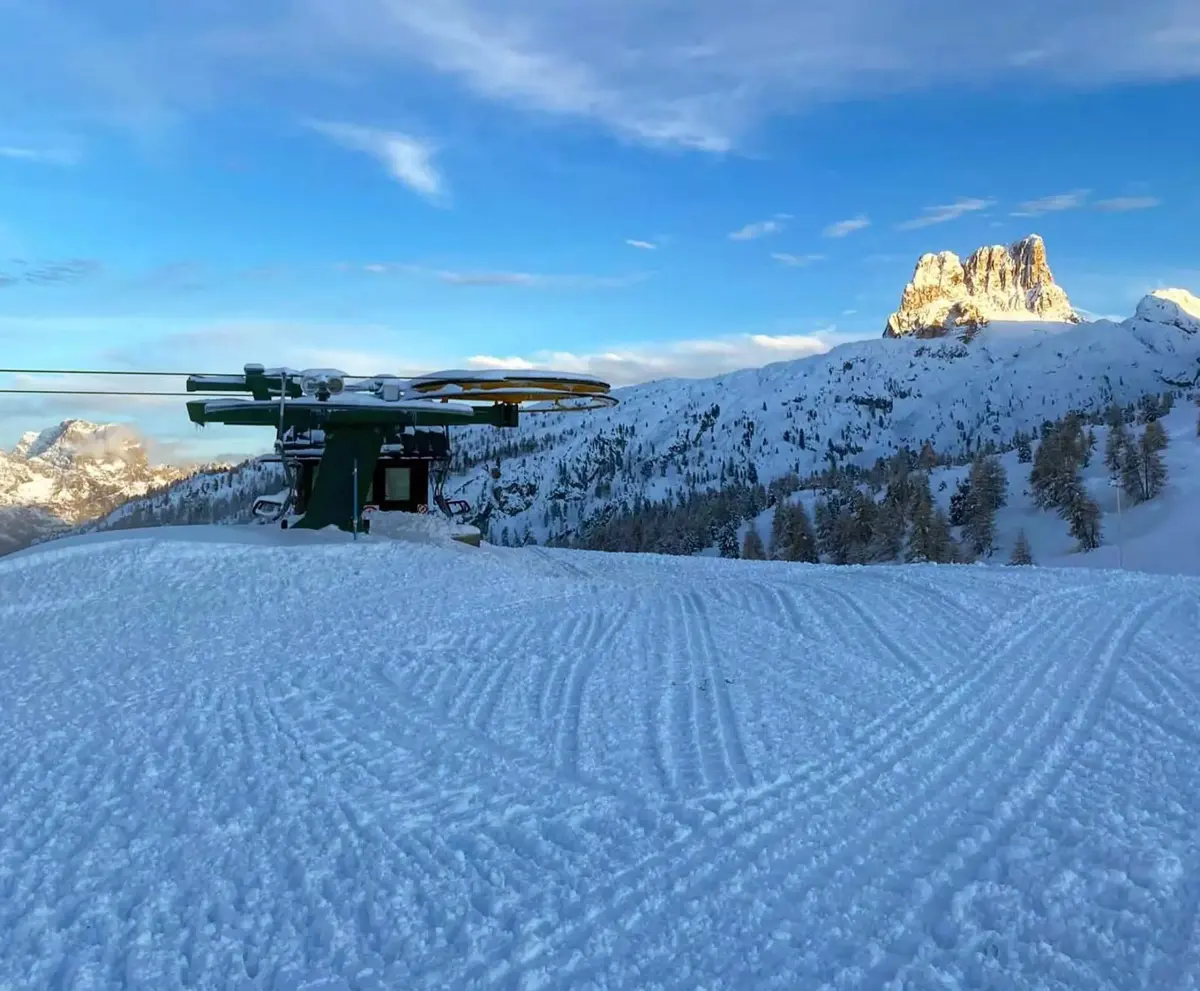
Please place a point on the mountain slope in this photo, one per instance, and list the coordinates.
(233, 769)
(852, 405)
(1161, 535)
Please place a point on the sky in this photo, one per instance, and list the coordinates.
(636, 188)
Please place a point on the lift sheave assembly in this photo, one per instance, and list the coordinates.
(353, 444)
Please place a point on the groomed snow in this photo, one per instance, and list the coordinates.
(236, 757)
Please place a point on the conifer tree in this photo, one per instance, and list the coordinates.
(930, 538)
(801, 542)
(1154, 468)
(752, 545)
(1056, 464)
(1132, 482)
(942, 546)
(1082, 516)
(1021, 553)
(826, 518)
(1155, 436)
(920, 535)
(780, 520)
(1024, 450)
(987, 493)
(928, 457)
(960, 502)
(727, 541)
(1114, 447)
(887, 540)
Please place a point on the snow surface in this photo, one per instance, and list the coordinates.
(238, 757)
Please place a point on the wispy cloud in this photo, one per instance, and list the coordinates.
(40, 156)
(175, 277)
(760, 228)
(1052, 204)
(407, 159)
(500, 278)
(796, 261)
(941, 214)
(698, 75)
(694, 358)
(1119, 204)
(644, 245)
(844, 227)
(50, 273)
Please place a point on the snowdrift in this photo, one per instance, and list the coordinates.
(232, 757)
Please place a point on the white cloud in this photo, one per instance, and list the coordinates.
(796, 260)
(941, 214)
(644, 245)
(1052, 204)
(407, 159)
(1122, 203)
(697, 75)
(529, 280)
(40, 156)
(760, 228)
(696, 358)
(844, 227)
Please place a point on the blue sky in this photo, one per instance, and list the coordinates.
(635, 188)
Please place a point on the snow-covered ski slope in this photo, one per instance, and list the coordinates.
(227, 761)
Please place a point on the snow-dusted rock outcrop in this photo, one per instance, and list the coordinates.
(70, 473)
(995, 283)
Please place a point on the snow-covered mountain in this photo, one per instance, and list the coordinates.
(852, 405)
(997, 282)
(70, 473)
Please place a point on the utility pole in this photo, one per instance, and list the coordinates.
(354, 520)
(1116, 484)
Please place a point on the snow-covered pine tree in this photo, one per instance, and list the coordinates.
(960, 501)
(887, 540)
(930, 538)
(1082, 516)
(942, 543)
(780, 522)
(727, 542)
(752, 545)
(987, 492)
(1154, 468)
(802, 541)
(1021, 552)
(1132, 482)
(1056, 463)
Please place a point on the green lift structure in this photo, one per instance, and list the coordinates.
(350, 445)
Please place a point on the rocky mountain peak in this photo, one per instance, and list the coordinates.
(72, 440)
(69, 473)
(997, 282)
